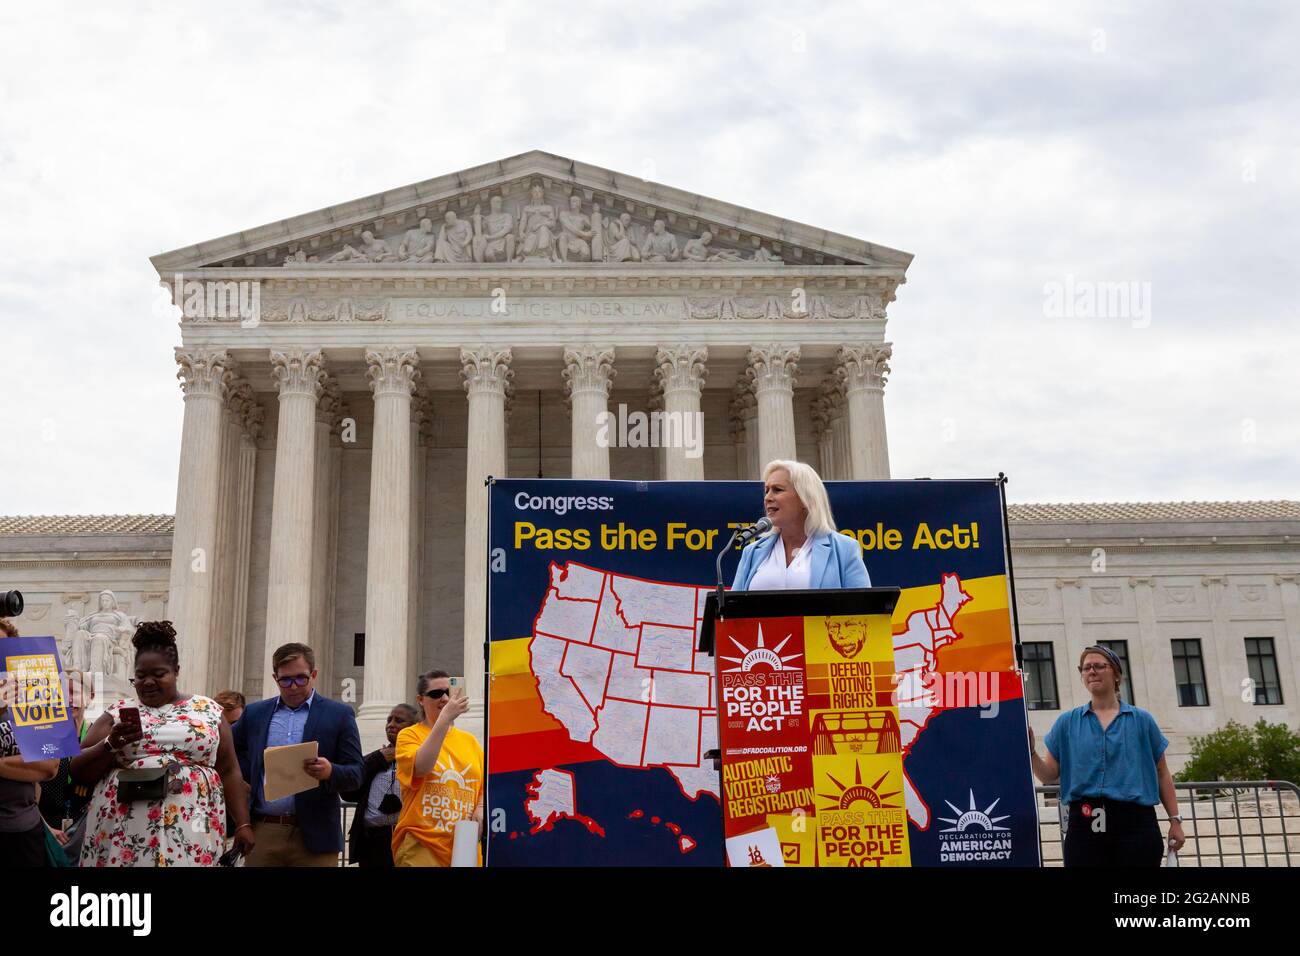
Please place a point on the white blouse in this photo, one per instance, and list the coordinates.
(775, 575)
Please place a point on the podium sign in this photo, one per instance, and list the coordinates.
(811, 753)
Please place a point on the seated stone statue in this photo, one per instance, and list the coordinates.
(619, 246)
(494, 239)
(455, 240)
(575, 233)
(659, 245)
(89, 643)
(537, 229)
(417, 244)
(697, 250)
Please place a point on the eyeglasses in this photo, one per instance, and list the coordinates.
(434, 693)
(298, 680)
(1087, 668)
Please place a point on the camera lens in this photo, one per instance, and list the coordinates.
(11, 603)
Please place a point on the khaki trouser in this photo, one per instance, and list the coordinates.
(279, 844)
(411, 852)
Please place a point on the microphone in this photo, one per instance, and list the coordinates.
(760, 526)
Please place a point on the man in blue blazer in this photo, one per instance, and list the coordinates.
(304, 829)
(803, 550)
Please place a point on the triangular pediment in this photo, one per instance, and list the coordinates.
(529, 210)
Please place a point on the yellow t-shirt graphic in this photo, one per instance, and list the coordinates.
(432, 804)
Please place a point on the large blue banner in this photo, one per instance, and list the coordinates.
(601, 708)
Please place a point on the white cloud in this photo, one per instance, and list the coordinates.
(995, 141)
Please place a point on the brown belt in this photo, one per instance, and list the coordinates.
(284, 819)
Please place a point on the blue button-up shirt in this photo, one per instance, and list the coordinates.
(1118, 763)
(287, 726)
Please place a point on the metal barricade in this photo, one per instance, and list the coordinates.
(1226, 822)
(346, 811)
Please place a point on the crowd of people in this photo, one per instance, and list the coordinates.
(174, 779)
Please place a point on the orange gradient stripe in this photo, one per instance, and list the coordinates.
(521, 717)
(986, 644)
(987, 594)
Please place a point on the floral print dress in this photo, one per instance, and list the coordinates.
(188, 826)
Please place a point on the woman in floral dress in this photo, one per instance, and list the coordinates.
(185, 735)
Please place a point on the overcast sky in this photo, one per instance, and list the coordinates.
(1008, 147)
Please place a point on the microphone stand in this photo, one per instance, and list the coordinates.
(722, 592)
(743, 535)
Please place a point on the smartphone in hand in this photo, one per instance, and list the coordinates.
(231, 857)
(130, 716)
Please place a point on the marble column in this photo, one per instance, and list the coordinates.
(421, 414)
(839, 420)
(749, 418)
(218, 663)
(297, 373)
(588, 374)
(487, 373)
(772, 370)
(738, 441)
(394, 373)
(865, 368)
(324, 542)
(251, 416)
(204, 375)
(222, 667)
(654, 406)
(825, 434)
(681, 371)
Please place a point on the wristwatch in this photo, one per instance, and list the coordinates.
(1176, 818)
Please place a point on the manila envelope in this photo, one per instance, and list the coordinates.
(284, 773)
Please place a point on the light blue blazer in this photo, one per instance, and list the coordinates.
(836, 562)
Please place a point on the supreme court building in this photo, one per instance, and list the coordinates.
(351, 376)
(407, 345)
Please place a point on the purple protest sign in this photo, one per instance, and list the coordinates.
(38, 716)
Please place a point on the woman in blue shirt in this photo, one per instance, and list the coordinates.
(803, 550)
(1109, 757)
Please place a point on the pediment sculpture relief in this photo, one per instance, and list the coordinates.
(534, 229)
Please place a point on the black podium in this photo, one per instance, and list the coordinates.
(793, 604)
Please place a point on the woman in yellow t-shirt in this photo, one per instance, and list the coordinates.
(440, 768)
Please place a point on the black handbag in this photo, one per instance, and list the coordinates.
(149, 783)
